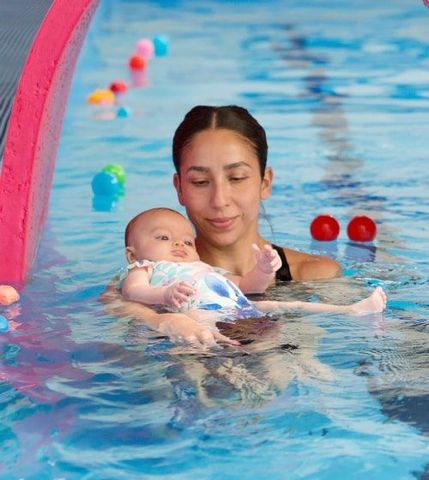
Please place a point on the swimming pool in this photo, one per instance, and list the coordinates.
(343, 94)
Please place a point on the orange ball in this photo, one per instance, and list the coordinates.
(8, 295)
(101, 96)
(137, 62)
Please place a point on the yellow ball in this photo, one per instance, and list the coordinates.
(101, 96)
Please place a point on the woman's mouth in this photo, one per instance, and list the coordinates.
(222, 223)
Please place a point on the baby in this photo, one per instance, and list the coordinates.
(164, 270)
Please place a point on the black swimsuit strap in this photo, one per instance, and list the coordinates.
(283, 273)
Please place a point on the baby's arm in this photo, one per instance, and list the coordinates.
(262, 275)
(136, 288)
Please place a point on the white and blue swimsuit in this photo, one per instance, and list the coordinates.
(214, 291)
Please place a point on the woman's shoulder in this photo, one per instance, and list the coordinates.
(307, 266)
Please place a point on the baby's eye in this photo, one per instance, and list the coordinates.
(189, 243)
(162, 237)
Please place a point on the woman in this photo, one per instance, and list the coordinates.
(220, 156)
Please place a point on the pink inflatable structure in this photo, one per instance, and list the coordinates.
(33, 134)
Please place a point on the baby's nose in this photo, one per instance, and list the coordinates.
(178, 242)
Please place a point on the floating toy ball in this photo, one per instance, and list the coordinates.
(160, 43)
(106, 184)
(101, 96)
(136, 62)
(103, 203)
(361, 229)
(8, 295)
(118, 86)
(123, 112)
(324, 228)
(4, 324)
(117, 170)
(145, 48)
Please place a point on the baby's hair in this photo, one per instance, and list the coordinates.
(131, 224)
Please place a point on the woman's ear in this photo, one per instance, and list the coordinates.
(129, 253)
(178, 187)
(267, 183)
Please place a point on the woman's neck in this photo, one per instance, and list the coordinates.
(237, 259)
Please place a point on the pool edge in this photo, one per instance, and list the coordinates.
(33, 133)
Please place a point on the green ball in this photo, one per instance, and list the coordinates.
(117, 171)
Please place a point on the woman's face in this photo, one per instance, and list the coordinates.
(220, 186)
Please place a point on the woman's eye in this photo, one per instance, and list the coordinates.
(200, 183)
(237, 179)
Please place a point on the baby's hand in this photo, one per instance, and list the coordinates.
(178, 293)
(268, 260)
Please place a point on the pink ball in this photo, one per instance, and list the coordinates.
(145, 48)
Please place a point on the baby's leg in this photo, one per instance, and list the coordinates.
(374, 303)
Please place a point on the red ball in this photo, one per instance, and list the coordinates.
(324, 228)
(137, 62)
(361, 229)
(118, 86)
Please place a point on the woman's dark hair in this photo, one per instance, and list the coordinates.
(230, 117)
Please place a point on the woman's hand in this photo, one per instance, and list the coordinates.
(177, 326)
(181, 328)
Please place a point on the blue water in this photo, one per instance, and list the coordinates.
(343, 92)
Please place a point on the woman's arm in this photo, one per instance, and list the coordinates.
(304, 266)
(177, 326)
(115, 304)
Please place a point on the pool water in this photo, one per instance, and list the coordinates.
(343, 92)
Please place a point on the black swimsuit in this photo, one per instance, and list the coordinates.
(283, 273)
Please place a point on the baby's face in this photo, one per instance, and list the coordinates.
(164, 235)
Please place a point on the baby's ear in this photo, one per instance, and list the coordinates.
(129, 253)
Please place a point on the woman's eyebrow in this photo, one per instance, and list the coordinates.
(195, 168)
(230, 166)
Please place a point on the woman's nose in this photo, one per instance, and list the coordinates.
(220, 195)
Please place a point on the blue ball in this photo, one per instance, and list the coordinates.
(160, 43)
(123, 112)
(103, 203)
(106, 184)
(4, 324)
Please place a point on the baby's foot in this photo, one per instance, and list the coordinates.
(375, 303)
